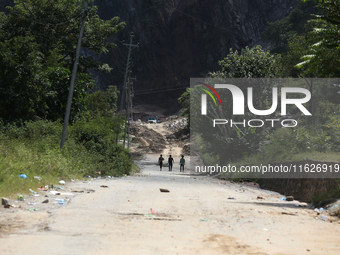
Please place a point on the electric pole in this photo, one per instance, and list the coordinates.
(130, 45)
(73, 78)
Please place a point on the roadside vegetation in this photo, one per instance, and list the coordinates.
(303, 46)
(38, 42)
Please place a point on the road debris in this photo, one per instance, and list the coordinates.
(164, 190)
(4, 201)
(289, 213)
(289, 198)
(323, 217)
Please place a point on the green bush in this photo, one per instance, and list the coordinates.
(32, 148)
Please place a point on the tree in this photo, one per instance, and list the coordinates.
(37, 49)
(325, 41)
(103, 103)
(231, 143)
(250, 63)
(280, 32)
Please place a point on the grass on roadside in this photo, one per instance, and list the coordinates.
(33, 149)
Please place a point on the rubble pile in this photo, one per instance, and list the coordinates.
(150, 141)
(175, 123)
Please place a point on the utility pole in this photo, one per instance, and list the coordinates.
(130, 45)
(73, 78)
(127, 104)
(130, 109)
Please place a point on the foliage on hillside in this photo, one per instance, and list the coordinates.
(37, 49)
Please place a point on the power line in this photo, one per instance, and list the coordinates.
(137, 93)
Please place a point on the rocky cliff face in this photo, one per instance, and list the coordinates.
(180, 39)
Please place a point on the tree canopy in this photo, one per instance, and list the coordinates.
(249, 63)
(324, 39)
(37, 50)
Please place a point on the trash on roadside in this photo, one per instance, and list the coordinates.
(90, 191)
(283, 199)
(37, 177)
(21, 198)
(204, 219)
(149, 215)
(104, 186)
(4, 201)
(332, 207)
(62, 182)
(231, 198)
(7, 206)
(34, 192)
(320, 210)
(59, 188)
(33, 209)
(24, 176)
(289, 198)
(262, 211)
(289, 213)
(323, 217)
(62, 201)
(152, 211)
(164, 190)
(259, 197)
(30, 203)
(57, 193)
(43, 189)
(265, 229)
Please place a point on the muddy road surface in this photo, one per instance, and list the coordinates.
(200, 215)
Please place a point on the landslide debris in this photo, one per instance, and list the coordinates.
(149, 140)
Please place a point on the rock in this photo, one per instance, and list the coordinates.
(45, 201)
(4, 201)
(289, 198)
(164, 190)
(7, 206)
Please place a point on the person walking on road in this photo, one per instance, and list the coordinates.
(181, 163)
(170, 161)
(160, 161)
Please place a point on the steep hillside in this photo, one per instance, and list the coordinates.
(180, 39)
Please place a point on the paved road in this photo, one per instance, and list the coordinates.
(199, 215)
